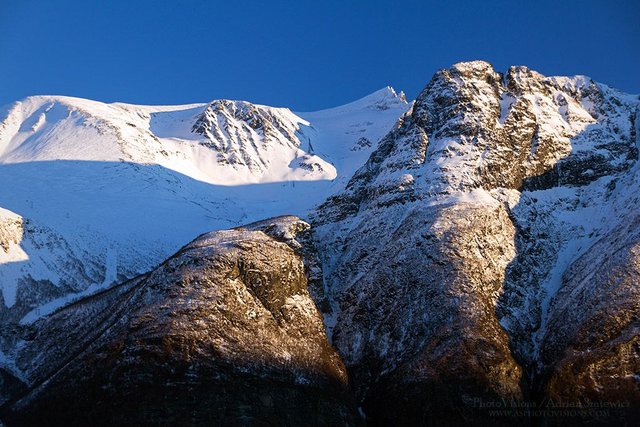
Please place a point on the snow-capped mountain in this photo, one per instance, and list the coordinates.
(223, 142)
(96, 193)
(487, 245)
(478, 245)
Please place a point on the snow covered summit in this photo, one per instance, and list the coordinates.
(94, 193)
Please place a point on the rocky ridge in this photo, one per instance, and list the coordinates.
(239, 132)
(453, 252)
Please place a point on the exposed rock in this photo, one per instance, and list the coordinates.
(21, 292)
(508, 171)
(414, 292)
(249, 136)
(591, 349)
(361, 144)
(11, 230)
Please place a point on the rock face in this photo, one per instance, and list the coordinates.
(593, 353)
(456, 253)
(55, 267)
(245, 135)
(417, 327)
(223, 332)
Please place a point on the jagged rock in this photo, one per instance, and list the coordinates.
(223, 332)
(511, 167)
(246, 135)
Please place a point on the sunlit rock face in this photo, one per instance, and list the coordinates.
(456, 253)
(224, 331)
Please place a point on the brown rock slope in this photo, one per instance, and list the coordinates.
(223, 333)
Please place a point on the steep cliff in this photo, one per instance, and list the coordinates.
(454, 253)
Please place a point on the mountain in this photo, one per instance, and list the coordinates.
(472, 251)
(100, 193)
(232, 307)
(487, 250)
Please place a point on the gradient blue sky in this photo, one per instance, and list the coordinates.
(306, 54)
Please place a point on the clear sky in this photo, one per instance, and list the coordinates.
(303, 54)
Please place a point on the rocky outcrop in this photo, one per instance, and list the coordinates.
(244, 135)
(27, 249)
(415, 289)
(417, 324)
(224, 332)
(11, 230)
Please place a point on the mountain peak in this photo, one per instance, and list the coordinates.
(384, 98)
(470, 128)
(492, 206)
(473, 66)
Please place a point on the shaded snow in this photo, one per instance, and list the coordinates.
(117, 187)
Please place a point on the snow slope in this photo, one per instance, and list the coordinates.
(224, 142)
(95, 193)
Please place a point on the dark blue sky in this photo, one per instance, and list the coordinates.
(303, 54)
